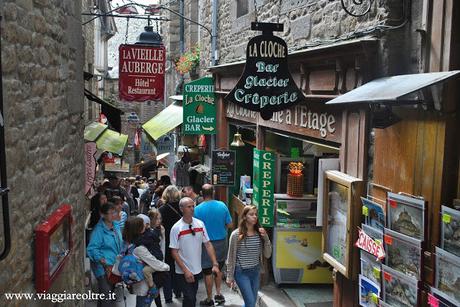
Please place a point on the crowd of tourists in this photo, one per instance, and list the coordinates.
(153, 236)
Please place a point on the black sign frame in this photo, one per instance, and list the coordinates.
(266, 85)
(223, 166)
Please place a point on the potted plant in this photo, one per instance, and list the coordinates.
(188, 61)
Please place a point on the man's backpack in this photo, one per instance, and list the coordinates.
(130, 267)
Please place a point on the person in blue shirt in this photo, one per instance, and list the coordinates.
(104, 246)
(216, 217)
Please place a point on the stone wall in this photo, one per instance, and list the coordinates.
(310, 23)
(42, 74)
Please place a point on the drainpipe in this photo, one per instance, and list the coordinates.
(3, 189)
(214, 56)
(180, 82)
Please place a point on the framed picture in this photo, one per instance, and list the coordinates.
(406, 215)
(441, 299)
(398, 288)
(450, 230)
(373, 212)
(369, 292)
(371, 268)
(341, 216)
(403, 253)
(448, 273)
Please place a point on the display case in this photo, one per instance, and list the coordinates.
(341, 216)
(53, 244)
(297, 256)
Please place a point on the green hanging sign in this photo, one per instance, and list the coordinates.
(199, 107)
(264, 185)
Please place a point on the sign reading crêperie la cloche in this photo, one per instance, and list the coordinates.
(266, 85)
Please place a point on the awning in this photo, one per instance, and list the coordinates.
(391, 90)
(165, 121)
(177, 97)
(106, 139)
(112, 113)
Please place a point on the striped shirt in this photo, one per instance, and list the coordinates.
(248, 252)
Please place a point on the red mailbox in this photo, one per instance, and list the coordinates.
(53, 244)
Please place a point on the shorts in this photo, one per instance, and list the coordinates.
(220, 248)
(208, 271)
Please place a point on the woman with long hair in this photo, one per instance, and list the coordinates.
(170, 213)
(248, 245)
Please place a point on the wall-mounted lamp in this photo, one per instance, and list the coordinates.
(237, 139)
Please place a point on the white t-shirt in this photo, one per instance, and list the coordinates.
(189, 245)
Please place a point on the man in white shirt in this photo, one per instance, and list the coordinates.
(186, 239)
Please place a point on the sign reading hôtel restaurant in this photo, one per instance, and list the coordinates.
(199, 107)
(141, 72)
(266, 85)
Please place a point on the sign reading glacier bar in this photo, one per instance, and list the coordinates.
(266, 85)
(141, 72)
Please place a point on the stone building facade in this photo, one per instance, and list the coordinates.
(42, 75)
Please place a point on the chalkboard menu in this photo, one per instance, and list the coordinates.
(223, 167)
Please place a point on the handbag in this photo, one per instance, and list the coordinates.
(112, 277)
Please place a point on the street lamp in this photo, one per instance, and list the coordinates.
(149, 37)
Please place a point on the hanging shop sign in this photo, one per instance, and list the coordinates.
(199, 107)
(90, 166)
(165, 144)
(141, 72)
(315, 120)
(223, 167)
(266, 85)
(368, 244)
(264, 184)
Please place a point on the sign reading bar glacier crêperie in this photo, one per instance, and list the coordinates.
(266, 85)
(141, 72)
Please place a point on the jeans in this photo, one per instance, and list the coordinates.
(248, 281)
(171, 283)
(140, 301)
(106, 288)
(189, 290)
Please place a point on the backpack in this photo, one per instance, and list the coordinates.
(130, 267)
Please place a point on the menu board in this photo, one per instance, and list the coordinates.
(223, 167)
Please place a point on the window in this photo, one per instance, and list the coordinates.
(242, 8)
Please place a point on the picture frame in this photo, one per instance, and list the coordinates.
(369, 292)
(53, 247)
(450, 230)
(443, 300)
(341, 216)
(371, 268)
(374, 213)
(403, 253)
(406, 215)
(398, 288)
(447, 275)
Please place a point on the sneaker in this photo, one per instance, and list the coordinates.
(219, 298)
(207, 302)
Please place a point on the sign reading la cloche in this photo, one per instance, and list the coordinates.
(199, 107)
(266, 85)
(141, 72)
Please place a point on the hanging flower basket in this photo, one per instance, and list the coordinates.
(188, 61)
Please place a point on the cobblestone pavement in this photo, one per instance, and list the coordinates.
(232, 298)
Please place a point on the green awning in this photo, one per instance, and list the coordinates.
(165, 121)
(94, 130)
(112, 141)
(106, 139)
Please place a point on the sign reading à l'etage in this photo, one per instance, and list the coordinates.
(266, 85)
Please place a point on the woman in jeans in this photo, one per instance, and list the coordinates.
(248, 244)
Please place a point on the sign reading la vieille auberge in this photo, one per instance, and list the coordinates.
(141, 72)
(266, 85)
